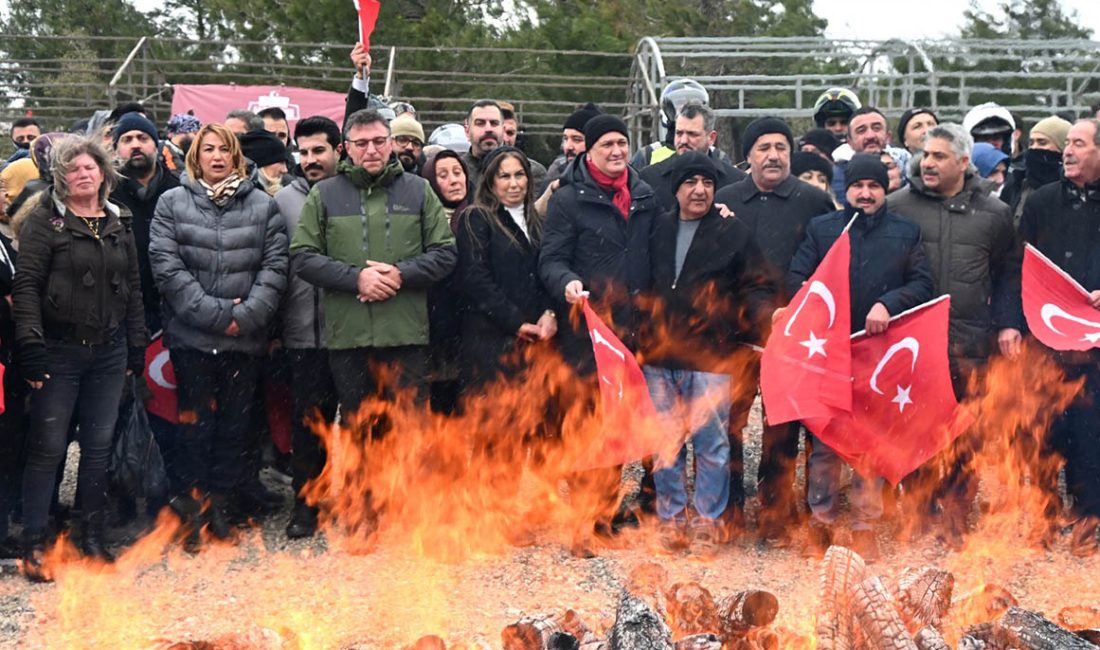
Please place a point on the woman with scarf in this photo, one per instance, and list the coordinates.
(218, 248)
(446, 173)
(79, 330)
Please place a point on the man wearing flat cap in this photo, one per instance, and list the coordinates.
(713, 293)
(775, 206)
(892, 276)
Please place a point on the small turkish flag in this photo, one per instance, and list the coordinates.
(368, 18)
(903, 407)
(806, 368)
(630, 429)
(1058, 310)
(161, 381)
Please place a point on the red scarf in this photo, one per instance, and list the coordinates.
(620, 193)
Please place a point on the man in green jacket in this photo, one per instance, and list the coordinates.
(375, 239)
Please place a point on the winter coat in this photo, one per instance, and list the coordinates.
(586, 238)
(974, 256)
(301, 317)
(888, 263)
(659, 177)
(498, 281)
(204, 257)
(74, 287)
(776, 219)
(1063, 222)
(354, 217)
(723, 296)
(142, 203)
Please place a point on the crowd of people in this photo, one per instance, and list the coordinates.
(370, 259)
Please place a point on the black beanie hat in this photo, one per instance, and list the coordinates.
(690, 164)
(763, 126)
(904, 121)
(580, 117)
(823, 140)
(133, 122)
(262, 147)
(599, 126)
(866, 167)
(804, 161)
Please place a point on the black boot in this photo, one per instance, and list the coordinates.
(303, 521)
(188, 510)
(34, 553)
(217, 518)
(93, 541)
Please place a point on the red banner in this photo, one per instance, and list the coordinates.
(161, 379)
(368, 18)
(212, 103)
(1058, 310)
(806, 368)
(903, 407)
(630, 430)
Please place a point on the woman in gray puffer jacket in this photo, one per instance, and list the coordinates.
(218, 248)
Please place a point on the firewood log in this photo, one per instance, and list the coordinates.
(429, 642)
(699, 642)
(929, 638)
(841, 570)
(1026, 630)
(691, 610)
(637, 627)
(534, 633)
(923, 597)
(877, 617)
(740, 612)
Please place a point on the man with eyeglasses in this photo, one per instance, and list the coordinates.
(374, 238)
(408, 141)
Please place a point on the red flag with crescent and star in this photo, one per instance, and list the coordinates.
(806, 368)
(630, 430)
(904, 410)
(161, 379)
(1058, 310)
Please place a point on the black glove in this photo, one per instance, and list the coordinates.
(135, 361)
(32, 361)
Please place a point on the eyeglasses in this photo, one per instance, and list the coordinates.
(378, 142)
(406, 140)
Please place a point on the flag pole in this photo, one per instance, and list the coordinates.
(853, 220)
(863, 332)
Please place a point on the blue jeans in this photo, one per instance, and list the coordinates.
(823, 476)
(696, 405)
(92, 376)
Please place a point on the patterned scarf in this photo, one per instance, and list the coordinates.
(224, 191)
(617, 187)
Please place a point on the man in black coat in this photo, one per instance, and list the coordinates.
(889, 274)
(776, 207)
(1062, 220)
(694, 132)
(596, 240)
(713, 292)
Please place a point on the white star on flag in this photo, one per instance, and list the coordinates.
(902, 398)
(814, 345)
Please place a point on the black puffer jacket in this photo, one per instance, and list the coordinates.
(69, 286)
(888, 263)
(204, 257)
(586, 238)
(974, 256)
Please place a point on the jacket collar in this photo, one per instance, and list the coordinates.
(974, 187)
(1090, 192)
(195, 187)
(363, 180)
(71, 221)
(746, 189)
(577, 173)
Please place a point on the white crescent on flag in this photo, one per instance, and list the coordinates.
(819, 288)
(156, 370)
(1050, 311)
(598, 339)
(907, 343)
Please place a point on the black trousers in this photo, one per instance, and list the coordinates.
(313, 396)
(378, 373)
(1076, 434)
(216, 394)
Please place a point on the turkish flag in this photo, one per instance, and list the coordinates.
(806, 368)
(630, 430)
(903, 407)
(368, 18)
(1057, 308)
(161, 379)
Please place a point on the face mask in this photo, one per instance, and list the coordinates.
(23, 145)
(1043, 166)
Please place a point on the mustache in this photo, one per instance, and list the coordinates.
(312, 166)
(772, 165)
(929, 172)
